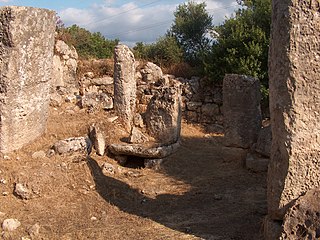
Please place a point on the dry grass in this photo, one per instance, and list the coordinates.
(100, 67)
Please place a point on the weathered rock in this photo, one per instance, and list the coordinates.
(153, 163)
(138, 120)
(294, 103)
(302, 220)
(264, 141)
(98, 140)
(194, 106)
(23, 191)
(124, 85)
(65, 66)
(26, 73)
(271, 229)
(256, 164)
(96, 101)
(106, 80)
(56, 99)
(151, 72)
(74, 144)
(34, 230)
(10, 224)
(163, 115)
(143, 151)
(241, 110)
(137, 136)
(108, 168)
(39, 154)
(209, 112)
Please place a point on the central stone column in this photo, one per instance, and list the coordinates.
(26, 58)
(124, 85)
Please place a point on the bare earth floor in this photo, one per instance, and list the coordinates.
(201, 192)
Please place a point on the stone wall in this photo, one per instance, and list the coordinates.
(65, 67)
(26, 53)
(201, 103)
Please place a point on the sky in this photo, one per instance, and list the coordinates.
(130, 21)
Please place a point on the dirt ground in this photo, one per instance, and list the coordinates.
(201, 192)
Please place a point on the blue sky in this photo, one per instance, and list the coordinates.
(130, 21)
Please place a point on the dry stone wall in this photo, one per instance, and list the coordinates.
(65, 67)
(295, 103)
(26, 53)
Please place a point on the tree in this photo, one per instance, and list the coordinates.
(164, 52)
(190, 26)
(88, 44)
(241, 43)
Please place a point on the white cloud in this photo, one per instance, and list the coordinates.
(131, 23)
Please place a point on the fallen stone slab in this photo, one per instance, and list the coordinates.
(139, 150)
(74, 144)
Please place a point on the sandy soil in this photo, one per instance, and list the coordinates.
(201, 192)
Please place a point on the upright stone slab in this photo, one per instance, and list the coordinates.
(294, 64)
(163, 115)
(241, 110)
(124, 85)
(26, 56)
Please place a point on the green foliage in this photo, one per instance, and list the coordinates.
(164, 52)
(88, 45)
(190, 26)
(241, 43)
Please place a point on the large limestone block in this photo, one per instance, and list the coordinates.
(124, 85)
(241, 110)
(294, 103)
(26, 58)
(163, 115)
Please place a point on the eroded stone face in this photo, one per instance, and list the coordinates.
(124, 85)
(163, 116)
(302, 221)
(241, 110)
(294, 103)
(26, 57)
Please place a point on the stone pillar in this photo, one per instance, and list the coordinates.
(163, 115)
(26, 56)
(241, 110)
(124, 85)
(294, 103)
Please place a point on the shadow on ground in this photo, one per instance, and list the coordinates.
(225, 201)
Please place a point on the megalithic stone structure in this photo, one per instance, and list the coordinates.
(294, 64)
(26, 56)
(125, 86)
(241, 110)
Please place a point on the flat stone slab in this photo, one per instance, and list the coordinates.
(139, 150)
